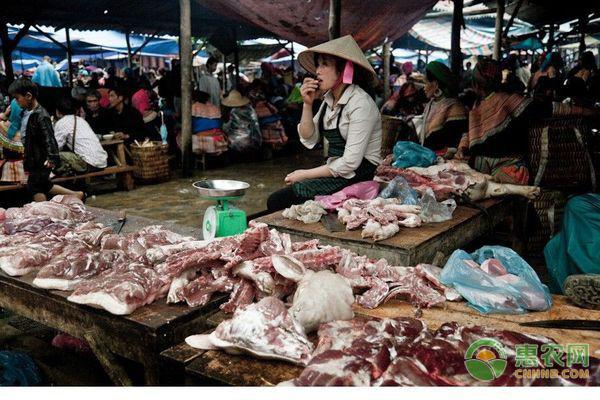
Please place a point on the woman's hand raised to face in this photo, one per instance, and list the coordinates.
(309, 90)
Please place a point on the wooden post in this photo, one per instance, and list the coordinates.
(236, 58)
(456, 53)
(69, 57)
(386, 69)
(335, 11)
(224, 74)
(582, 32)
(128, 48)
(292, 60)
(498, 34)
(8, 45)
(185, 51)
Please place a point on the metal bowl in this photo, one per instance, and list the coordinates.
(221, 188)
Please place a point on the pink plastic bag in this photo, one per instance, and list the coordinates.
(367, 190)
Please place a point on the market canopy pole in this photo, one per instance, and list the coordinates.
(224, 72)
(583, 21)
(498, 34)
(551, 37)
(386, 69)
(8, 45)
(236, 58)
(128, 48)
(456, 53)
(185, 55)
(69, 57)
(512, 17)
(335, 11)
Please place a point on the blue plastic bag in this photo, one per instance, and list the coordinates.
(410, 154)
(399, 188)
(515, 292)
(18, 369)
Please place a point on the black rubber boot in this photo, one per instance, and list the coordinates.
(584, 290)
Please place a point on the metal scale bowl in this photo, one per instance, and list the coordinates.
(222, 219)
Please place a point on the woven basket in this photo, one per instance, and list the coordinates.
(549, 210)
(559, 155)
(392, 130)
(151, 164)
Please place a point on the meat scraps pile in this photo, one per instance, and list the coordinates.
(58, 242)
(403, 352)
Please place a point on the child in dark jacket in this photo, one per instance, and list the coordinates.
(41, 150)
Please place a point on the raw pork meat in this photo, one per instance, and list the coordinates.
(474, 184)
(21, 260)
(264, 329)
(136, 244)
(380, 282)
(402, 352)
(380, 217)
(120, 291)
(36, 216)
(76, 264)
(310, 212)
(198, 292)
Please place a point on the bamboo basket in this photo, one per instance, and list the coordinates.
(549, 210)
(151, 163)
(559, 155)
(391, 132)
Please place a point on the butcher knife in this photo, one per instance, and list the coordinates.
(331, 222)
(577, 324)
(118, 226)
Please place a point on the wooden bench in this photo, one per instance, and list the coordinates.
(115, 150)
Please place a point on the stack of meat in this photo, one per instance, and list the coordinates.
(264, 329)
(123, 272)
(444, 184)
(453, 178)
(403, 352)
(379, 218)
(243, 266)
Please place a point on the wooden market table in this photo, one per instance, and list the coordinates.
(139, 337)
(192, 366)
(409, 246)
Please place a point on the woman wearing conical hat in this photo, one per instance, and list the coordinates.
(348, 119)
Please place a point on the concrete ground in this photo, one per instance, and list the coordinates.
(176, 200)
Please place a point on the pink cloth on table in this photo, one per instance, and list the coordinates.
(141, 101)
(367, 190)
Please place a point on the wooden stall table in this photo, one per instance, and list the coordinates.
(200, 366)
(139, 337)
(409, 246)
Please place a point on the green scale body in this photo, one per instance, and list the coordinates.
(223, 219)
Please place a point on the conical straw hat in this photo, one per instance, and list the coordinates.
(344, 47)
(235, 99)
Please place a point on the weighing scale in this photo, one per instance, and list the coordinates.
(223, 219)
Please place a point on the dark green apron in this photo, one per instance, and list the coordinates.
(323, 186)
